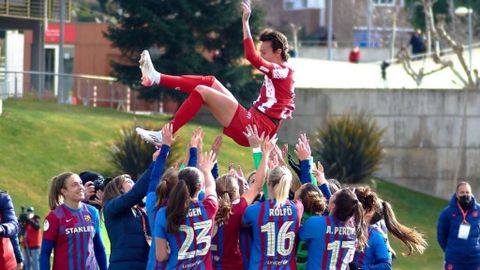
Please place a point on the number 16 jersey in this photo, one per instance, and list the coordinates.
(190, 247)
(274, 233)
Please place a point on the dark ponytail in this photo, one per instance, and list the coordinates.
(409, 236)
(189, 180)
(168, 181)
(347, 206)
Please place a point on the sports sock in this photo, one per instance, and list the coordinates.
(186, 83)
(189, 108)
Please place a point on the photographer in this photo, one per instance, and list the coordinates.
(31, 237)
(94, 184)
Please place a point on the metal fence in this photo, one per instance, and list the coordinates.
(88, 90)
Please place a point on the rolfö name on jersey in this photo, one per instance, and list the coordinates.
(194, 212)
(287, 211)
(341, 230)
(82, 229)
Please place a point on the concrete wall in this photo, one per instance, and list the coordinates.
(423, 132)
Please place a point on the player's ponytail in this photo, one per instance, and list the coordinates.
(226, 192)
(188, 185)
(280, 179)
(55, 197)
(168, 181)
(347, 206)
(409, 236)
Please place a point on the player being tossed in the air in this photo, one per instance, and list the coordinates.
(274, 103)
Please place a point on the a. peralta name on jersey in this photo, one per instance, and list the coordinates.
(194, 212)
(79, 229)
(341, 230)
(281, 211)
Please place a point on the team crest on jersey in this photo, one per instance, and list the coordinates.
(475, 213)
(249, 115)
(87, 218)
(449, 266)
(46, 225)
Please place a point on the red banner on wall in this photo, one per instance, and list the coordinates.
(52, 34)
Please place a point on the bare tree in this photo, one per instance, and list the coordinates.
(435, 33)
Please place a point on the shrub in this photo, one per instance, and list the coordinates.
(131, 155)
(349, 147)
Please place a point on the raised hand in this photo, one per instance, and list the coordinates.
(253, 138)
(302, 148)
(197, 137)
(318, 173)
(217, 144)
(206, 161)
(167, 135)
(246, 10)
(269, 144)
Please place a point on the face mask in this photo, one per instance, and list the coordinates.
(465, 199)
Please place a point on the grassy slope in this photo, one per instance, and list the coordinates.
(420, 211)
(39, 140)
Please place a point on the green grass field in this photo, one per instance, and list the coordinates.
(39, 140)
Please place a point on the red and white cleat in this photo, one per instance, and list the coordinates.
(149, 74)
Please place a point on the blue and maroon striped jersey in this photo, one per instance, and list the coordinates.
(226, 237)
(72, 230)
(274, 234)
(331, 243)
(190, 247)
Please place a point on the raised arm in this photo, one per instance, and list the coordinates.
(304, 154)
(256, 187)
(205, 165)
(160, 161)
(249, 47)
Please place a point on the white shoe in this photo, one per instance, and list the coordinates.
(149, 74)
(154, 137)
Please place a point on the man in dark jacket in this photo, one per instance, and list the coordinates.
(458, 231)
(8, 228)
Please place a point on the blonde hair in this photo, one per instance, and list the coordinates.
(226, 192)
(55, 197)
(280, 179)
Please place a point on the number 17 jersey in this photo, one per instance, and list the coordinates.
(331, 243)
(274, 233)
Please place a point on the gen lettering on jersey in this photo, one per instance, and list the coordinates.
(275, 212)
(194, 212)
(341, 230)
(81, 229)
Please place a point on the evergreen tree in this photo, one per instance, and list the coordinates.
(176, 32)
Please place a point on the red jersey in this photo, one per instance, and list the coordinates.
(277, 92)
(226, 240)
(33, 234)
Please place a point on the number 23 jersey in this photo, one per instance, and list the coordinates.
(274, 233)
(190, 247)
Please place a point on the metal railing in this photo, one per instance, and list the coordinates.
(89, 90)
(35, 9)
